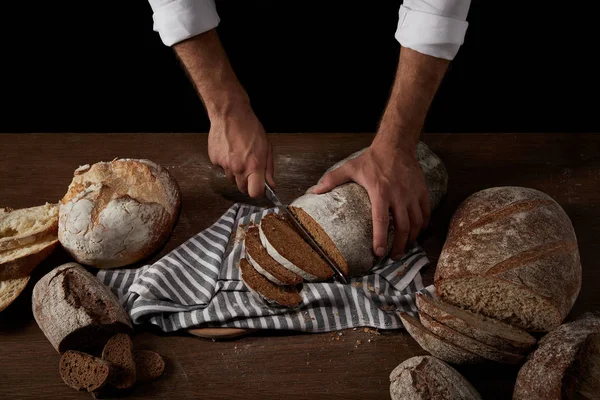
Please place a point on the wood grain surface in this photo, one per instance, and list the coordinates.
(353, 364)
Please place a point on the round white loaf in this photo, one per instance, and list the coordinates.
(344, 213)
(426, 378)
(117, 213)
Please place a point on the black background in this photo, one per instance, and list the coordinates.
(309, 66)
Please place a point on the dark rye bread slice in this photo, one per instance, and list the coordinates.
(82, 371)
(288, 248)
(287, 296)
(486, 330)
(467, 343)
(119, 352)
(546, 373)
(149, 365)
(437, 346)
(264, 263)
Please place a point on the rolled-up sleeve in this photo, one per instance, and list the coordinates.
(177, 20)
(433, 27)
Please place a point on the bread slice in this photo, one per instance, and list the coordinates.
(119, 352)
(286, 296)
(468, 343)
(26, 226)
(82, 371)
(20, 262)
(10, 290)
(427, 378)
(264, 263)
(149, 365)
(485, 330)
(437, 346)
(288, 248)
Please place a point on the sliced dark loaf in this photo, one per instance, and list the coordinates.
(427, 378)
(150, 365)
(76, 311)
(467, 343)
(548, 368)
(485, 330)
(82, 371)
(511, 254)
(437, 346)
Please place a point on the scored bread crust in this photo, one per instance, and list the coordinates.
(519, 238)
(428, 378)
(75, 310)
(27, 226)
(117, 213)
(541, 377)
(345, 216)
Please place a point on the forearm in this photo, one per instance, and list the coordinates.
(417, 80)
(208, 67)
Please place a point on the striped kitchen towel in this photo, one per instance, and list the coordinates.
(198, 284)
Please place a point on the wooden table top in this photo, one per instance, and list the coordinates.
(35, 168)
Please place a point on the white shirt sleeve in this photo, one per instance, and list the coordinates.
(433, 27)
(177, 20)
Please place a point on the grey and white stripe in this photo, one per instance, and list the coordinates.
(199, 285)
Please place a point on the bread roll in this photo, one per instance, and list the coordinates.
(341, 221)
(117, 213)
(553, 370)
(76, 311)
(427, 378)
(511, 254)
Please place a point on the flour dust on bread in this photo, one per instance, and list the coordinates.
(26, 226)
(340, 220)
(117, 213)
(429, 378)
(75, 310)
(511, 254)
(566, 364)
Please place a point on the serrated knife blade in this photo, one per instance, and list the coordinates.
(305, 235)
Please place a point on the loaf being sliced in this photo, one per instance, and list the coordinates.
(264, 263)
(26, 226)
(486, 330)
(437, 346)
(511, 254)
(264, 289)
(427, 378)
(119, 352)
(11, 289)
(82, 371)
(75, 310)
(20, 262)
(288, 248)
(149, 364)
(467, 343)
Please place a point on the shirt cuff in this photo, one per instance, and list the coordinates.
(430, 34)
(178, 20)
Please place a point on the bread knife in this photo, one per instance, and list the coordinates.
(305, 235)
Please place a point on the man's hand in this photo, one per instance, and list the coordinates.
(239, 145)
(237, 141)
(395, 182)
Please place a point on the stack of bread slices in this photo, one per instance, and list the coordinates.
(509, 267)
(27, 237)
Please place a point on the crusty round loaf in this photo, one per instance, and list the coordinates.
(511, 254)
(76, 311)
(341, 219)
(117, 213)
(544, 373)
(427, 378)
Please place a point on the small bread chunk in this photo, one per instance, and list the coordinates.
(486, 330)
(427, 378)
(119, 352)
(437, 346)
(149, 365)
(82, 371)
